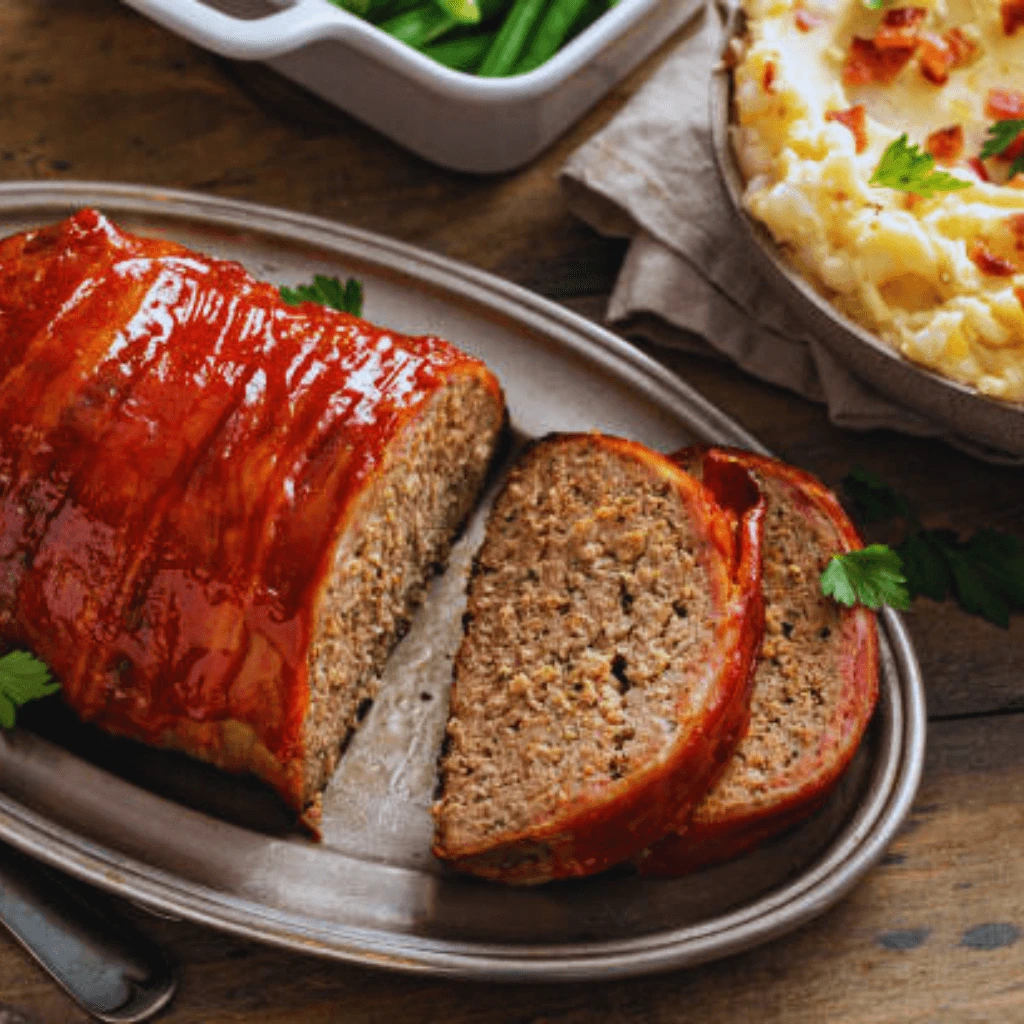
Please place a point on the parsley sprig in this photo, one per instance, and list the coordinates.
(905, 168)
(874, 5)
(1001, 136)
(985, 573)
(327, 291)
(872, 576)
(22, 678)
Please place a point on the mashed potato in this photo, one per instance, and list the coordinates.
(823, 87)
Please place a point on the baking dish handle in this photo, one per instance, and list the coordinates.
(249, 39)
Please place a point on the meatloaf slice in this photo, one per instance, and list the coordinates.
(217, 511)
(815, 686)
(613, 614)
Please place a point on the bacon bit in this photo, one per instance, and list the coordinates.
(910, 200)
(1016, 222)
(1005, 104)
(947, 144)
(962, 47)
(866, 64)
(1019, 292)
(856, 120)
(979, 168)
(1014, 150)
(805, 21)
(1013, 15)
(899, 28)
(987, 262)
(768, 76)
(936, 58)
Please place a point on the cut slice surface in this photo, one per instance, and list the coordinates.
(603, 664)
(218, 511)
(815, 686)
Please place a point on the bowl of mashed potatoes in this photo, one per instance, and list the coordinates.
(876, 152)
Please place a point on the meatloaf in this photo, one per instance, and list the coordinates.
(217, 511)
(613, 615)
(815, 686)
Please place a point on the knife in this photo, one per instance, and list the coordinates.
(98, 958)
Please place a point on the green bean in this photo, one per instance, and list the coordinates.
(383, 10)
(491, 9)
(591, 13)
(420, 26)
(511, 39)
(466, 12)
(462, 54)
(551, 34)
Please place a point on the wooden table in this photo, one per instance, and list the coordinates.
(89, 90)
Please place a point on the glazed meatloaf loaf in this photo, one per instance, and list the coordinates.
(815, 686)
(613, 615)
(216, 510)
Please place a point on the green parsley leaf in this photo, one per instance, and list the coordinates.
(1001, 136)
(904, 167)
(872, 577)
(327, 291)
(985, 574)
(874, 500)
(925, 565)
(1017, 167)
(988, 574)
(874, 5)
(22, 678)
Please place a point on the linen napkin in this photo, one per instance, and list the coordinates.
(688, 280)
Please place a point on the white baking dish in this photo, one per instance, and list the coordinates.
(451, 118)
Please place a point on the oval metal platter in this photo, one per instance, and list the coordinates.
(979, 420)
(185, 840)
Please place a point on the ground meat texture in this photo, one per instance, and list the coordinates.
(799, 676)
(589, 628)
(398, 536)
(814, 688)
(218, 509)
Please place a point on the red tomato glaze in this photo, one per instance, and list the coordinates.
(178, 449)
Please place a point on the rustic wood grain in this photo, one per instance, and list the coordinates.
(89, 90)
(932, 936)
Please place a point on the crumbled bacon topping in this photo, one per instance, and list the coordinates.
(935, 58)
(856, 120)
(866, 63)
(1019, 292)
(1016, 222)
(768, 76)
(979, 168)
(897, 39)
(1014, 150)
(987, 261)
(938, 55)
(946, 144)
(962, 47)
(1013, 15)
(805, 21)
(899, 28)
(1005, 104)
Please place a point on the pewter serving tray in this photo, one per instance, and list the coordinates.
(184, 839)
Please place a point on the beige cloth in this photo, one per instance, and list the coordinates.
(688, 280)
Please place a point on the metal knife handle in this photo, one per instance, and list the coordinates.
(103, 963)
